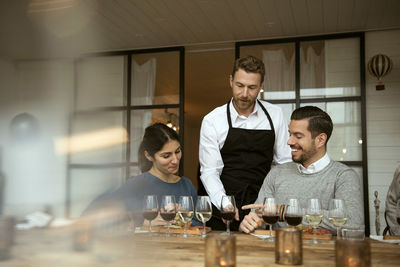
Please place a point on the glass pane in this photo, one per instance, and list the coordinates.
(155, 78)
(287, 110)
(345, 143)
(279, 60)
(142, 118)
(100, 82)
(98, 138)
(86, 185)
(330, 68)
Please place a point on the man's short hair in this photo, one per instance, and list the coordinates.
(318, 120)
(249, 64)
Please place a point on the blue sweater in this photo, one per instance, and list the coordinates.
(132, 192)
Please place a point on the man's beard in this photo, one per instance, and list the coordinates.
(306, 155)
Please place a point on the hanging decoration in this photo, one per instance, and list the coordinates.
(378, 66)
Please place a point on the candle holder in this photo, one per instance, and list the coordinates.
(288, 246)
(353, 253)
(220, 251)
(7, 232)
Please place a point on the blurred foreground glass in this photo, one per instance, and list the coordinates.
(220, 250)
(7, 235)
(203, 211)
(288, 246)
(350, 253)
(353, 232)
(83, 235)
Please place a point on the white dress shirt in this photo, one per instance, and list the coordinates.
(317, 166)
(214, 130)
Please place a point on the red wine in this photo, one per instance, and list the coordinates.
(398, 220)
(149, 214)
(293, 220)
(270, 219)
(228, 215)
(168, 216)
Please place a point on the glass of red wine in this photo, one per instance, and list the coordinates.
(150, 208)
(270, 215)
(168, 210)
(228, 211)
(294, 214)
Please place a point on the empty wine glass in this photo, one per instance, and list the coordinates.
(203, 211)
(337, 214)
(294, 214)
(270, 215)
(150, 208)
(228, 211)
(314, 216)
(168, 210)
(185, 211)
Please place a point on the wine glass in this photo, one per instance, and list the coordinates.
(228, 211)
(150, 208)
(294, 214)
(270, 215)
(168, 210)
(203, 211)
(185, 211)
(314, 216)
(337, 214)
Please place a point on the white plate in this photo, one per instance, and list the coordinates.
(260, 236)
(380, 238)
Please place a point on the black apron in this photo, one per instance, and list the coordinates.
(247, 155)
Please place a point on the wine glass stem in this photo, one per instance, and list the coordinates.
(204, 230)
(270, 230)
(168, 228)
(185, 230)
(228, 230)
(150, 226)
(314, 236)
(338, 234)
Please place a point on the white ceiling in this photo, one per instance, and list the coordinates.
(58, 28)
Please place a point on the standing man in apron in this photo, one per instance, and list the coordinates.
(239, 141)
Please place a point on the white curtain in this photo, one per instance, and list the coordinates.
(143, 86)
(312, 69)
(279, 71)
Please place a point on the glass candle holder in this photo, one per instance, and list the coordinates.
(220, 251)
(288, 246)
(352, 253)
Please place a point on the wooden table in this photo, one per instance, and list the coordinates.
(42, 247)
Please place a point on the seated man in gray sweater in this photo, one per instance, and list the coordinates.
(312, 174)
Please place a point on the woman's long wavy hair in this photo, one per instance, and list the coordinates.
(155, 137)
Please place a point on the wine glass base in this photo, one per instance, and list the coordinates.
(269, 239)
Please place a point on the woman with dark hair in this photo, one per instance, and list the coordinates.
(159, 157)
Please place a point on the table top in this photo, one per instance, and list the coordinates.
(44, 247)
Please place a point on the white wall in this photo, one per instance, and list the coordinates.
(35, 175)
(383, 120)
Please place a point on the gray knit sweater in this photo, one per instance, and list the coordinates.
(336, 180)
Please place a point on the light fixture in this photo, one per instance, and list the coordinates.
(170, 122)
